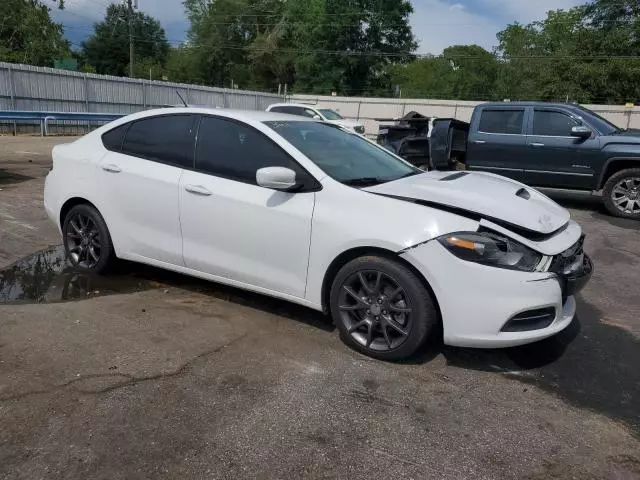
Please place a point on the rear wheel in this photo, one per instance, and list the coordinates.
(382, 308)
(87, 242)
(621, 194)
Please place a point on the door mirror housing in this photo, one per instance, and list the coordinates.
(276, 178)
(581, 131)
(317, 117)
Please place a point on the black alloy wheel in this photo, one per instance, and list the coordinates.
(382, 308)
(86, 238)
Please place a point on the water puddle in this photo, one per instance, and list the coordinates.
(46, 277)
(9, 178)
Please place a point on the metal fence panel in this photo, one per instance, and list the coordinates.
(24, 87)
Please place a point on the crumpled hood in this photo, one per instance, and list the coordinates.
(486, 195)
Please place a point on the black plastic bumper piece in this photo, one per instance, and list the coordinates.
(530, 320)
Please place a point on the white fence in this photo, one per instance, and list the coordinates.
(368, 109)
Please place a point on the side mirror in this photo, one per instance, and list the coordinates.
(581, 131)
(277, 178)
(317, 117)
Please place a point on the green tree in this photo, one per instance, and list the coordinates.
(474, 72)
(28, 35)
(312, 45)
(107, 50)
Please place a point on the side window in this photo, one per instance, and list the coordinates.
(165, 139)
(501, 121)
(235, 151)
(554, 124)
(112, 140)
(307, 112)
(279, 109)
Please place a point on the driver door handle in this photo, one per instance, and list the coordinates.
(110, 167)
(198, 190)
(536, 144)
(479, 142)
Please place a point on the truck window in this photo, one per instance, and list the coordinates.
(501, 121)
(552, 124)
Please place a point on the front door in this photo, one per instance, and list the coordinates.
(235, 229)
(554, 157)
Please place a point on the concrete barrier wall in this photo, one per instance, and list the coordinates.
(368, 109)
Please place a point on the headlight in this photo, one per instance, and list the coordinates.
(491, 249)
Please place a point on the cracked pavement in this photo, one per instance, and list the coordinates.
(187, 379)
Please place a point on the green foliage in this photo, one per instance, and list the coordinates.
(28, 35)
(308, 44)
(107, 50)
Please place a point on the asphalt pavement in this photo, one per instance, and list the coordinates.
(150, 374)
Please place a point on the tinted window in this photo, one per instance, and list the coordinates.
(501, 121)
(279, 109)
(112, 140)
(342, 155)
(552, 124)
(166, 139)
(235, 151)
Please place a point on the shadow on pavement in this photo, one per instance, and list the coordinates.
(590, 364)
(9, 178)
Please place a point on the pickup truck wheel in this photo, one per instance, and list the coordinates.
(381, 308)
(621, 193)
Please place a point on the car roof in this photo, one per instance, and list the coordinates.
(243, 115)
(529, 104)
(303, 105)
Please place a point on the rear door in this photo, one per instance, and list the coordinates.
(139, 184)
(497, 141)
(554, 157)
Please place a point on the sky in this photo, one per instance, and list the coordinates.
(436, 24)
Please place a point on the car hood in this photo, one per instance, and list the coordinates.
(481, 195)
(632, 135)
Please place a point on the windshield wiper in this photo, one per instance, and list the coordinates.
(364, 181)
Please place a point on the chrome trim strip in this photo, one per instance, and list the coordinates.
(477, 167)
(560, 173)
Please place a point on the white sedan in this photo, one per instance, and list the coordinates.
(305, 211)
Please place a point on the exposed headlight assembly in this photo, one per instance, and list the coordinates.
(491, 249)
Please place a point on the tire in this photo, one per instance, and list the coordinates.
(86, 238)
(372, 294)
(621, 185)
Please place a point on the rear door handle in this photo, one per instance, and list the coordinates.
(110, 167)
(535, 144)
(198, 190)
(479, 142)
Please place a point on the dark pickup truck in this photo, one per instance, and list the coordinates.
(562, 146)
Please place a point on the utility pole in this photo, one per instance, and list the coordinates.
(131, 4)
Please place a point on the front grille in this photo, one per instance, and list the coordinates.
(530, 320)
(564, 262)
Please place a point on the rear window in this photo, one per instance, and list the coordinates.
(166, 139)
(502, 121)
(112, 140)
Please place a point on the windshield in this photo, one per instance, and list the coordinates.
(329, 114)
(602, 124)
(344, 156)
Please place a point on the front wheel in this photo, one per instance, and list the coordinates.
(87, 242)
(382, 308)
(621, 194)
